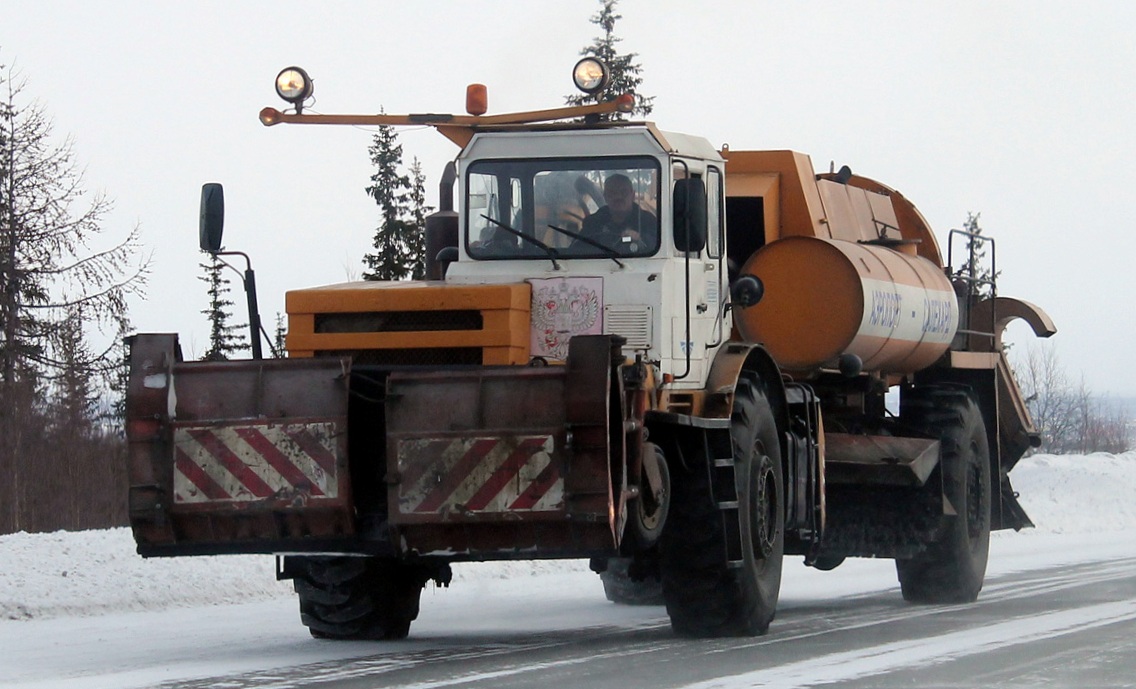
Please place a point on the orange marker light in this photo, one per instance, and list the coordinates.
(476, 99)
(625, 103)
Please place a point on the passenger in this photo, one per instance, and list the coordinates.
(493, 242)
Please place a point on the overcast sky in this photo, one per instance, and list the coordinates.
(1022, 111)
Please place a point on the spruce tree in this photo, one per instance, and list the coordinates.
(113, 411)
(416, 235)
(74, 408)
(76, 398)
(978, 265)
(394, 256)
(225, 338)
(279, 350)
(625, 71)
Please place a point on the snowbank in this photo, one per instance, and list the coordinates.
(86, 572)
(95, 572)
(1078, 493)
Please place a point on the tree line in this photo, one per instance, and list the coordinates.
(1070, 417)
(62, 456)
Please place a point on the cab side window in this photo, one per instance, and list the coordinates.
(714, 213)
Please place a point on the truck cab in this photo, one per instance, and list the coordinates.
(526, 200)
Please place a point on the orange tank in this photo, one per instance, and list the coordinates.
(828, 297)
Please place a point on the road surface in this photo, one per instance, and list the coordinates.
(1058, 626)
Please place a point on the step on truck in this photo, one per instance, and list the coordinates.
(682, 390)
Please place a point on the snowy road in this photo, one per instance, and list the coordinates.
(1049, 614)
(1068, 626)
(81, 611)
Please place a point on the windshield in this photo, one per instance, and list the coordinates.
(562, 208)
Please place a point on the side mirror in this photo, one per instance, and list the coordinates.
(690, 215)
(441, 233)
(747, 291)
(212, 217)
(443, 260)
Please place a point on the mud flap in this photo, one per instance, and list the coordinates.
(1013, 514)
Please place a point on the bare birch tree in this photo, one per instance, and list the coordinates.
(1070, 418)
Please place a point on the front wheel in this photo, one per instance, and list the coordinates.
(358, 597)
(705, 595)
(953, 567)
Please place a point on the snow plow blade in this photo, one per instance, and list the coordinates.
(504, 461)
(236, 456)
(256, 456)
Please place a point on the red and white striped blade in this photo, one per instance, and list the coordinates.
(478, 475)
(255, 462)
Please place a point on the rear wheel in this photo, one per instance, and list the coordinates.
(705, 595)
(827, 563)
(358, 597)
(953, 567)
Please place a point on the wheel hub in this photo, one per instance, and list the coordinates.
(764, 508)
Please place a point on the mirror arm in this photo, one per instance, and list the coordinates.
(248, 279)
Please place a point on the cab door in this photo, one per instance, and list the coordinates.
(697, 325)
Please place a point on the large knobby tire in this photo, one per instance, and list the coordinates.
(621, 589)
(358, 597)
(953, 567)
(705, 596)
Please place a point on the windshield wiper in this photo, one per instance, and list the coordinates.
(553, 254)
(611, 253)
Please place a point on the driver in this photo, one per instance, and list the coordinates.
(622, 224)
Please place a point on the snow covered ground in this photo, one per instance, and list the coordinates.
(1085, 500)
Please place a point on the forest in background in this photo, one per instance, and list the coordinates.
(64, 287)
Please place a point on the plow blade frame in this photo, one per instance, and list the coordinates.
(504, 462)
(236, 456)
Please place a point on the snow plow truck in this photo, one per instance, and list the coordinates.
(751, 360)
